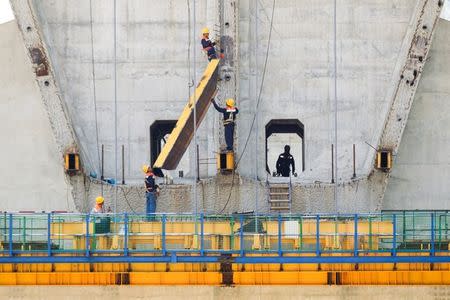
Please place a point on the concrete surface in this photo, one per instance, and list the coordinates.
(217, 292)
(421, 171)
(154, 72)
(32, 173)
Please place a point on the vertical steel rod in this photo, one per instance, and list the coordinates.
(354, 161)
(123, 164)
(198, 163)
(332, 163)
(102, 176)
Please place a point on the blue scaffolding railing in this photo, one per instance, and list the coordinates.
(388, 237)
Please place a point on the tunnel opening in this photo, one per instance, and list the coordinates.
(160, 131)
(281, 132)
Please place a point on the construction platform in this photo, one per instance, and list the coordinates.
(387, 248)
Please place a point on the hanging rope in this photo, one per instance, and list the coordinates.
(115, 105)
(94, 89)
(256, 109)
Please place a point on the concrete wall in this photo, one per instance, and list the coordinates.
(299, 77)
(217, 292)
(31, 173)
(152, 71)
(155, 66)
(153, 74)
(421, 174)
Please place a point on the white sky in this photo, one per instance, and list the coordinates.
(6, 13)
(446, 10)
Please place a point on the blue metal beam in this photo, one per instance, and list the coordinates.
(216, 259)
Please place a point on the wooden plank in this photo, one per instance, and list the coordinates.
(182, 134)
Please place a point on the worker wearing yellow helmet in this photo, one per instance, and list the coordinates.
(98, 208)
(151, 191)
(208, 45)
(229, 115)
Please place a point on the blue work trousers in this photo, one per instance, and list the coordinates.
(151, 205)
(229, 136)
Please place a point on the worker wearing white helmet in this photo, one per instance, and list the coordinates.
(229, 116)
(208, 45)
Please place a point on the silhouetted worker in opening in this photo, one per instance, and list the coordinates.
(229, 115)
(284, 162)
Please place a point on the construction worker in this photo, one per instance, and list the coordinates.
(229, 115)
(285, 160)
(208, 45)
(151, 190)
(98, 208)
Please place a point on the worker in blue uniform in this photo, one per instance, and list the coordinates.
(151, 191)
(284, 163)
(229, 116)
(208, 45)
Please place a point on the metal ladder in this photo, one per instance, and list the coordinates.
(280, 196)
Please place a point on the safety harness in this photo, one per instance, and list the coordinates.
(230, 119)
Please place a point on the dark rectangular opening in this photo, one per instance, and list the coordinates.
(384, 160)
(72, 161)
(223, 161)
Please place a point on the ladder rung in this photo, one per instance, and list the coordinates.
(278, 194)
(279, 208)
(278, 200)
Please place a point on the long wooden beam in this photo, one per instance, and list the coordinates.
(182, 134)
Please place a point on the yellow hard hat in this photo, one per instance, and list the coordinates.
(99, 200)
(230, 102)
(145, 168)
(205, 30)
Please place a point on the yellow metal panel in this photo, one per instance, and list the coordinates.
(279, 278)
(176, 278)
(395, 277)
(182, 134)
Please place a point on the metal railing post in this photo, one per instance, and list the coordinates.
(10, 235)
(355, 237)
(317, 235)
(202, 241)
(87, 235)
(125, 238)
(163, 235)
(49, 238)
(432, 246)
(394, 235)
(241, 235)
(280, 250)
